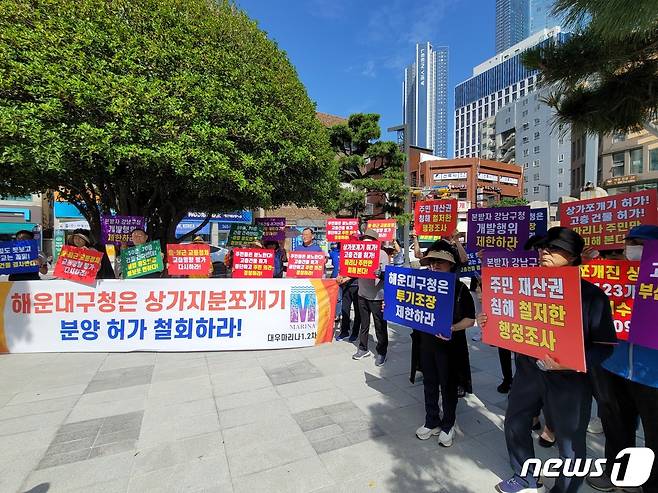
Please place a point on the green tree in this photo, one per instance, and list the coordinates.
(367, 165)
(605, 74)
(154, 108)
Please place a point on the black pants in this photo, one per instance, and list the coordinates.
(621, 402)
(564, 395)
(374, 308)
(350, 299)
(505, 357)
(440, 378)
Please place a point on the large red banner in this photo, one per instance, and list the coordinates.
(385, 228)
(435, 217)
(536, 312)
(617, 279)
(604, 222)
(306, 265)
(78, 264)
(359, 259)
(341, 229)
(188, 259)
(253, 263)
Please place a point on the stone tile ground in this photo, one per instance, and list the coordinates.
(301, 420)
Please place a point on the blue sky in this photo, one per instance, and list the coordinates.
(351, 54)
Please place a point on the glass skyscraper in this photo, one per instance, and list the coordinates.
(425, 99)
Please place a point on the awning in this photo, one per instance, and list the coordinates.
(13, 228)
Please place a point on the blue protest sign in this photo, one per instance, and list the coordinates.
(19, 257)
(538, 221)
(420, 299)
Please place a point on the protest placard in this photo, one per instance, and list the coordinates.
(342, 229)
(78, 264)
(116, 230)
(604, 222)
(188, 259)
(435, 217)
(498, 228)
(536, 312)
(645, 307)
(306, 265)
(359, 259)
(243, 234)
(19, 257)
(386, 228)
(538, 222)
(253, 263)
(505, 258)
(420, 299)
(274, 228)
(141, 260)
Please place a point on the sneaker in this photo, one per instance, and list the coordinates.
(380, 359)
(595, 426)
(504, 387)
(602, 483)
(424, 433)
(445, 439)
(341, 337)
(360, 354)
(512, 485)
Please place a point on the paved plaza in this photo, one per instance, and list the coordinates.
(296, 420)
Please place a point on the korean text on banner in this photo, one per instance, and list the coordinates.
(643, 320)
(341, 229)
(504, 258)
(243, 234)
(116, 229)
(604, 222)
(420, 299)
(18, 257)
(253, 263)
(498, 228)
(359, 259)
(141, 260)
(274, 228)
(188, 259)
(386, 228)
(435, 217)
(78, 264)
(617, 279)
(166, 315)
(309, 265)
(536, 312)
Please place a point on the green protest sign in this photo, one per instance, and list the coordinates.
(141, 260)
(243, 234)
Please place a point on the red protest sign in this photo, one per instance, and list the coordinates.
(617, 279)
(536, 312)
(435, 217)
(309, 265)
(385, 228)
(603, 222)
(341, 229)
(359, 259)
(78, 264)
(189, 259)
(253, 262)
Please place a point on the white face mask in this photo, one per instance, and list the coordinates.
(633, 252)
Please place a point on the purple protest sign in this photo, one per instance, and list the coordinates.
(498, 228)
(274, 228)
(505, 258)
(645, 305)
(116, 229)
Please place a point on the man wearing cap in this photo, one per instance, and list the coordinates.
(628, 390)
(371, 298)
(564, 394)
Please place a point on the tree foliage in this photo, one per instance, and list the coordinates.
(154, 108)
(605, 74)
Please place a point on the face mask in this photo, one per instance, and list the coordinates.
(634, 252)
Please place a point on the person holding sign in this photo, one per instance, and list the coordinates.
(564, 394)
(441, 359)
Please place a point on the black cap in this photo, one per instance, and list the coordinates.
(564, 238)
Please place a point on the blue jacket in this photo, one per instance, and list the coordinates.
(636, 363)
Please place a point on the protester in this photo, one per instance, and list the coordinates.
(441, 360)
(565, 394)
(81, 238)
(42, 262)
(280, 257)
(371, 298)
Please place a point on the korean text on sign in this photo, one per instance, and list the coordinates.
(498, 228)
(420, 299)
(617, 279)
(359, 259)
(535, 312)
(643, 320)
(188, 259)
(341, 229)
(274, 228)
(435, 217)
(116, 229)
(78, 264)
(141, 260)
(385, 228)
(253, 263)
(243, 234)
(604, 222)
(18, 257)
(306, 265)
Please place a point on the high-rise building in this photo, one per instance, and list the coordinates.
(425, 99)
(512, 22)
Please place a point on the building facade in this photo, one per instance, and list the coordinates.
(628, 162)
(425, 99)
